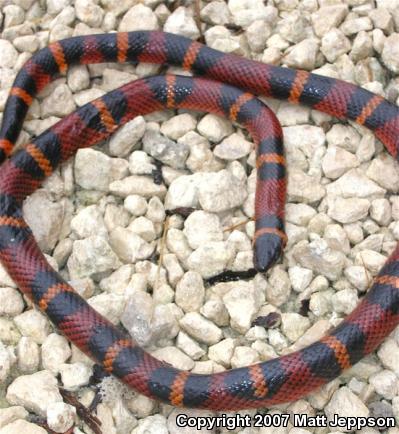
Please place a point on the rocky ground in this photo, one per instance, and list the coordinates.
(101, 218)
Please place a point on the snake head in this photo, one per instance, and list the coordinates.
(267, 250)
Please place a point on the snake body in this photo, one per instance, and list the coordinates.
(275, 381)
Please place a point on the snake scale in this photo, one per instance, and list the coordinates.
(226, 87)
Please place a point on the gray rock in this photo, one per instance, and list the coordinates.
(165, 150)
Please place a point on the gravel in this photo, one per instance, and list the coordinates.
(101, 219)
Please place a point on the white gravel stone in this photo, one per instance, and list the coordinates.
(89, 12)
(354, 183)
(90, 257)
(156, 424)
(358, 277)
(388, 354)
(141, 185)
(385, 384)
(337, 161)
(246, 12)
(344, 301)
(211, 126)
(211, 258)
(216, 311)
(243, 302)
(380, 211)
(138, 17)
(355, 25)
(89, 221)
(33, 324)
(127, 137)
(190, 292)
(347, 210)
(177, 126)
(44, 217)
(216, 12)
(78, 78)
(303, 187)
(11, 302)
(371, 260)
(221, 191)
(328, 17)
(233, 147)
(362, 47)
(28, 355)
(55, 351)
(75, 375)
(299, 213)
(22, 426)
(334, 44)
(181, 22)
(300, 277)
(98, 178)
(383, 170)
(390, 53)
(244, 356)
(200, 328)
(108, 305)
(135, 204)
(279, 288)
(318, 256)
(201, 227)
(294, 325)
(11, 414)
(148, 323)
(9, 54)
(222, 352)
(189, 346)
(303, 55)
(144, 228)
(59, 103)
(60, 416)
(34, 392)
(174, 357)
(345, 404)
(6, 362)
(129, 246)
(27, 43)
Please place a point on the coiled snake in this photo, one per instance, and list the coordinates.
(274, 381)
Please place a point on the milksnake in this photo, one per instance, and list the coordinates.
(275, 381)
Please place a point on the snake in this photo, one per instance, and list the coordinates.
(227, 85)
